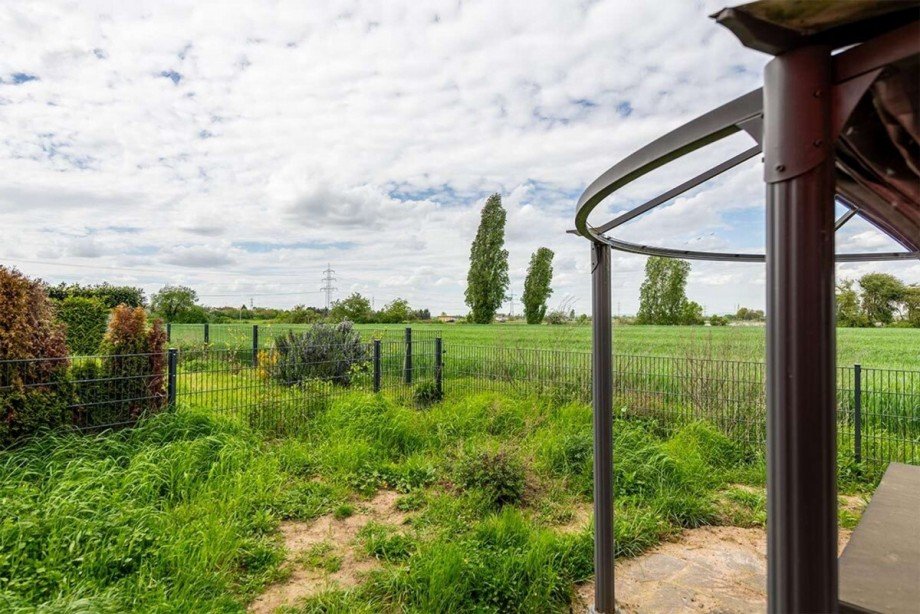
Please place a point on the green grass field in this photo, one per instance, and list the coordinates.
(183, 513)
(883, 348)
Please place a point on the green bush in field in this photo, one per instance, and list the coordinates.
(86, 320)
(325, 352)
(426, 393)
(35, 389)
(498, 475)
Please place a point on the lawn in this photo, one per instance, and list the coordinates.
(192, 511)
(882, 348)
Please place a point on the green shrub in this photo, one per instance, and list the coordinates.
(86, 320)
(35, 390)
(426, 393)
(325, 352)
(498, 475)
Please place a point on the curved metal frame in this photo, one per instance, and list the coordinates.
(742, 114)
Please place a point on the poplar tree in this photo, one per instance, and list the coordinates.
(487, 281)
(537, 285)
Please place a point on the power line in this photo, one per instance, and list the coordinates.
(328, 278)
(244, 294)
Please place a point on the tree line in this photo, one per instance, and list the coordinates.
(878, 299)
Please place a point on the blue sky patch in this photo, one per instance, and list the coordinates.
(172, 76)
(18, 78)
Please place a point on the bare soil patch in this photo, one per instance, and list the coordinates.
(709, 569)
(337, 538)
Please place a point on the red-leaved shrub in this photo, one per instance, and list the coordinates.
(34, 388)
(134, 367)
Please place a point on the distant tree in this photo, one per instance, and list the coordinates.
(301, 314)
(881, 293)
(421, 314)
(196, 314)
(174, 303)
(396, 311)
(691, 314)
(557, 316)
(487, 280)
(912, 304)
(663, 297)
(537, 285)
(718, 321)
(849, 311)
(109, 295)
(749, 315)
(354, 308)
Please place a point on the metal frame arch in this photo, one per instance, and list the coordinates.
(745, 113)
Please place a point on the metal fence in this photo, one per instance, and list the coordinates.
(277, 391)
(243, 336)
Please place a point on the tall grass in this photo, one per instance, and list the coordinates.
(181, 514)
(175, 515)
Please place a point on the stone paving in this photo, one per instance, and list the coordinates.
(710, 569)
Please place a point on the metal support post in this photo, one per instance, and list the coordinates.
(602, 372)
(801, 438)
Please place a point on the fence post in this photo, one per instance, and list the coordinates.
(376, 365)
(172, 361)
(207, 333)
(438, 366)
(255, 345)
(408, 367)
(857, 412)
(168, 332)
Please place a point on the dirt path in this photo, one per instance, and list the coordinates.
(710, 569)
(322, 553)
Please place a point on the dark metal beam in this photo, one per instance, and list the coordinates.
(602, 392)
(705, 129)
(800, 368)
(680, 189)
(687, 254)
(878, 52)
(846, 217)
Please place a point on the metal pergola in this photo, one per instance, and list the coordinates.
(838, 119)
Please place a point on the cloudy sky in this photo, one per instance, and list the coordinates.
(240, 147)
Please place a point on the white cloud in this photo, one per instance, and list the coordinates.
(362, 135)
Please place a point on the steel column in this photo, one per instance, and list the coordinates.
(801, 443)
(602, 391)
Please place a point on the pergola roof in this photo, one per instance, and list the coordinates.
(776, 26)
(878, 139)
